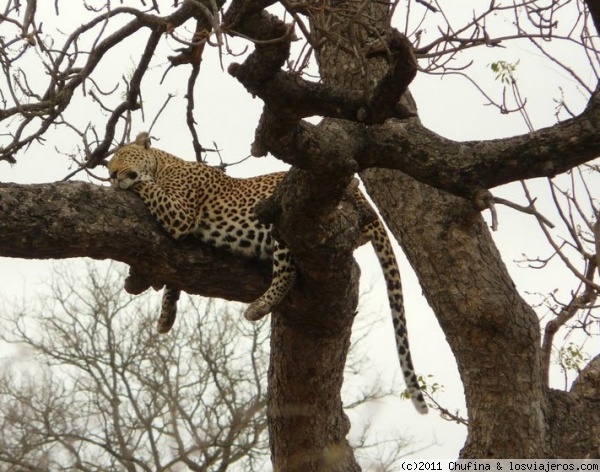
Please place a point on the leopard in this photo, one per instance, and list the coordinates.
(194, 199)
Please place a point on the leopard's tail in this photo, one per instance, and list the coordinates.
(385, 254)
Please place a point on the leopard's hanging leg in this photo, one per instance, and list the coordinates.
(284, 274)
(168, 311)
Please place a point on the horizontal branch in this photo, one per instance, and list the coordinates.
(73, 219)
(465, 167)
(379, 135)
(461, 168)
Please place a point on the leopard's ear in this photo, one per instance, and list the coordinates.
(143, 139)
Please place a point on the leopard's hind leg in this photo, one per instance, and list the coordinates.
(284, 274)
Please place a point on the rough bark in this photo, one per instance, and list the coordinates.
(493, 333)
(463, 168)
(311, 330)
(64, 220)
(574, 416)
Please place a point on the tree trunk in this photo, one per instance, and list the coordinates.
(493, 333)
(311, 329)
(307, 424)
(310, 337)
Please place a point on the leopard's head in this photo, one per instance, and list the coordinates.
(131, 164)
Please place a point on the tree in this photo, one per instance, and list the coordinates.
(430, 189)
(98, 389)
(94, 387)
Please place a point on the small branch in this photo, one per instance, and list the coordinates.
(582, 277)
(445, 413)
(162, 108)
(529, 209)
(484, 200)
(189, 114)
(587, 298)
(428, 6)
(597, 242)
(193, 53)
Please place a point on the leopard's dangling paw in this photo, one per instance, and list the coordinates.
(257, 310)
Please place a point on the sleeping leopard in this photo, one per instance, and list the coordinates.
(192, 198)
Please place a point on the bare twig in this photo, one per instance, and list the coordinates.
(578, 302)
(529, 209)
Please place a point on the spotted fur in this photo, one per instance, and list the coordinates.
(191, 198)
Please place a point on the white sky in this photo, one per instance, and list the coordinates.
(227, 115)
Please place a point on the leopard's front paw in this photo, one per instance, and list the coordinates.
(256, 311)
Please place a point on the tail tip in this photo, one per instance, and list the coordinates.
(422, 408)
(419, 402)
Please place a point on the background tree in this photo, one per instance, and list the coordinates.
(94, 387)
(430, 189)
(98, 389)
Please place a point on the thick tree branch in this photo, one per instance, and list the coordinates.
(464, 167)
(461, 168)
(238, 9)
(273, 38)
(290, 94)
(64, 220)
(594, 9)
